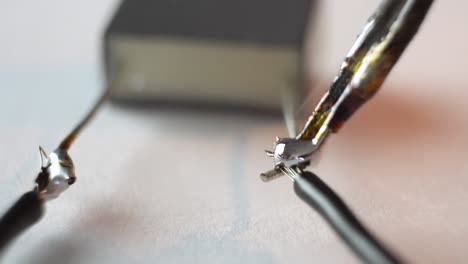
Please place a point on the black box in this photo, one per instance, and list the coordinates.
(235, 52)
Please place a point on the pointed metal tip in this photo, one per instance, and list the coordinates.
(45, 161)
(41, 150)
(269, 153)
(278, 139)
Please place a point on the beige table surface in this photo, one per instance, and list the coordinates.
(171, 186)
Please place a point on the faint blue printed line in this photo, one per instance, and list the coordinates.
(239, 181)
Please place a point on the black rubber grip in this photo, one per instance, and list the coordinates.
(326, 202)
(27, 211)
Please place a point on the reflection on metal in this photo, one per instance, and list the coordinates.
(57, 170)
(376, 50)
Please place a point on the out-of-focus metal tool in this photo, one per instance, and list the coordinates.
(57, 169)
(57, 173)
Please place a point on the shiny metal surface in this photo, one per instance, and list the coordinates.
(56, 175)
(57, 170)
(366, 66)
(290, 151)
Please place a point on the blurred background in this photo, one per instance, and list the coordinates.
(167, 185)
